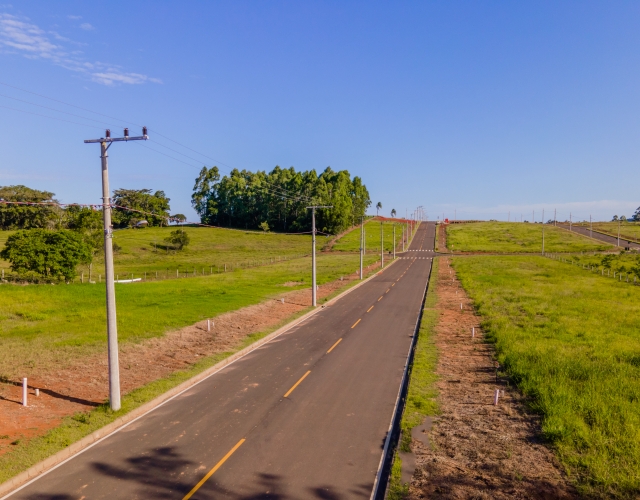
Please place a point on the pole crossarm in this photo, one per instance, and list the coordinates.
(117, 139)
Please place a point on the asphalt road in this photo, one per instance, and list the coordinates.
(303, 417)
(599, 236)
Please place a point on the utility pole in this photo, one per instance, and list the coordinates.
(112, 327)
(313, 253)
(569, 221)
(555, 220)
(381, 247)
(543, 238)
(361, 246)
(394, 242)
(618, 231)
(590, 226)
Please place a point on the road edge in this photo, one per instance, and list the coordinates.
(380, 483)
(47, 465)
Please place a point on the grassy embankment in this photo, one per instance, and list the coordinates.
(43, 325)
(623, 266)
(350, 242)
(571, 341)
(421, 395)
(517, 237)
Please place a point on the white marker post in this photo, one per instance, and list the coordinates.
(473, 331)
(24, 391)
(496, 397)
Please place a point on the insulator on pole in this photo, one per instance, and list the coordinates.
(107, 134)
(126, 132)
(144, 130)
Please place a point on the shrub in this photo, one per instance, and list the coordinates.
(178, 239)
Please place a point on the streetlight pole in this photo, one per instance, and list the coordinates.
(112, 327)
(381, 247)
(314, 289)
(361, 246)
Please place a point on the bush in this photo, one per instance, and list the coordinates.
(41, 255)
(178, 239)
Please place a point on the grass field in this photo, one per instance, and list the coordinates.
(144, 250)
(571, 341)
(609, 265)
(350, 242)
(514, 237)
(42, 324)
(628, 230)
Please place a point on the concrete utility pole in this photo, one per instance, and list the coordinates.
(543, 238)
(394, 242)
(590, 227)
(314, 289)
(112, 328)
(361, 246)
(381, 247)
(618, 232)
(569, 221)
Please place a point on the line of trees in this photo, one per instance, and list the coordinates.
(279, 199)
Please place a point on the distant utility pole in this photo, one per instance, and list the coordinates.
(533, 216)
(361, 245)
(543, 215)
(394, 242)
(618, 232)
(543, 238)
(313, 253)
(590, 226)
(555, 220)
(112, 328)
(570, 221)
(381, 246)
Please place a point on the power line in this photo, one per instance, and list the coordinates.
(282, 192)
(50, 117)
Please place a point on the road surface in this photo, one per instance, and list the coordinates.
(600, 236)
(305, 416)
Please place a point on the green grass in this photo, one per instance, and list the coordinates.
(144, 250)
(44, 325)
(570, 339)
(609, 265)
(628, 230)
(421, 395)
(515, 237)
(350, 242)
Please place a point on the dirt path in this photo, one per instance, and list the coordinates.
(479, 450)
(83, 384)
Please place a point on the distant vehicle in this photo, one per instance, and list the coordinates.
(142, 223)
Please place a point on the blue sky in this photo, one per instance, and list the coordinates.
(482, 108)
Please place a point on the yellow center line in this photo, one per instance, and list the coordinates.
(297, 383)
(339, 340)
(387, 290)
(380, 298)
(215, 468)
(354, 325)
(370, 309)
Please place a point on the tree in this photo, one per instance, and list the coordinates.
(264, 226)
(615, 218)
(279, 198)
(636, 215)
(393, 212)
(144, 201)
(178, 239)
(622, 218)
(25, 216)
(88, 223)
(378, 207)
(179, 218)
(41, 255)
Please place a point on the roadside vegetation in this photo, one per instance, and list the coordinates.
(623, 266)
(421, 395)
(350, 242)
(517, 237)
(570, 340)
(42, 325)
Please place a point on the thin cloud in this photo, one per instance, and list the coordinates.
(86, 27)
(74, 18)
(19, 36)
